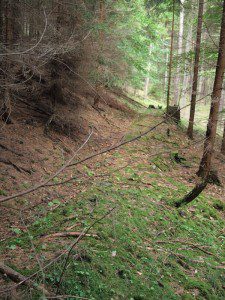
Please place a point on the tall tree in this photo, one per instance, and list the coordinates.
(187, 72)
(147, 79)
(205, 164)
(180, 50)
(1, 20)
(171, 59)
(196, 68)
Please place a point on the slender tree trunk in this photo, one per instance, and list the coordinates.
(166, 73)
(222, 101)
(186, 79)
(205, 164)
(171, 59)
(223, 142)
(147, 79)
(1, 21)
(102, 18)
(180, 50)
(16, 20)
(196, 68)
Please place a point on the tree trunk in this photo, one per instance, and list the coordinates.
(205, 164)
(180, 50)
(1, 21)
(102, 18)
(222, 101)
(15, 20)
(185, 85)
(171, 59)
(166, 73)
(147, 79)
(196, 68)
(223, 142)
(192, 195)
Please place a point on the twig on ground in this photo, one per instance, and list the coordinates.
(186, 243)
(10, 150)
(67, 251)
(68, 234)
(74, 244)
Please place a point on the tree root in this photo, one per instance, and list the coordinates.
(193, 194)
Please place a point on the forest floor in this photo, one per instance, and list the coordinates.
(140, 246)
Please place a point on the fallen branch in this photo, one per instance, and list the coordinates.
(17, 168)
(67, 251)
(10, 150)
(17, 277)
(69, 234)
(44, 183)
(123, 95)
(186, 243)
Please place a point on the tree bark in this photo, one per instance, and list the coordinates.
(1, 21)
(147, 79)
(166, 74)
(205, 164)
(196, 68)
(223, 142)
(171, 59)
(102, 18)
(180, 50)
(192, 195)
(187, 76)
(15, 20)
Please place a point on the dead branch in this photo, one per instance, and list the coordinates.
(10, 150)
(78, 239)
(9, 163)
(34, 46)
(17, 277)
(44, 183)
(69, 234)
(187, 243)
(67, 251)
(131, 100)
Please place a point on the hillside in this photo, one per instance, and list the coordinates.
(116, 209)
